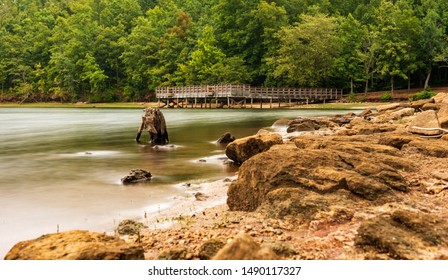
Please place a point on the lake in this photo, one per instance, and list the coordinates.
(61, 168)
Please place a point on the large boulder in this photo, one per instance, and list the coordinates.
(420, 103)
(365, 113)
(393, 115)
(388, 107)
(366, 170)
(404, 234)
(425, 123)
(442, 115)
(441, 97)
(316, 123)
(75, 245)
(414, 144)
(405, 112)
(243, 247)
(431, 106)
(428, 147)
(364, 127)
(303, 126)
(304, 206)
(242, 149)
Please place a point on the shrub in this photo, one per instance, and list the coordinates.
(104, 97)
(352, 98)
(386, 97)
(426, 94)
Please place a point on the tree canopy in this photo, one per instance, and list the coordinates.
(107, 50)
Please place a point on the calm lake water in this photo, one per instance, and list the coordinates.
(61, 168)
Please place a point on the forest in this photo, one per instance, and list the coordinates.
(121, 50)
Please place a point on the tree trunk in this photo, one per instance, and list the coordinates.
(154, 122)
(409, 83)
(392, 84)
(428, 77)
(351, 85)
(139, 132)
(366, 89)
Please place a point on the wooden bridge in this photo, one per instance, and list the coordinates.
(233, 96)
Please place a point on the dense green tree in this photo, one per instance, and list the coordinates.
(307, 52)
(351, 62)
(238, 32)
(295, 8)
(271, 18)
(199, 67)
(25, 48)
(147, 41)
(97, 49)
(72, 40)
(396, 30)
(173, 51)
(433, 41)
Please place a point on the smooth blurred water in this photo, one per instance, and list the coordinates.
(61, 168)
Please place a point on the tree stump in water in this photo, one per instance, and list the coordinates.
(153, 121)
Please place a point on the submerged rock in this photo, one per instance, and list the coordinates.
(226, 138)
(200, 196)
(137, 176)
(75, 245)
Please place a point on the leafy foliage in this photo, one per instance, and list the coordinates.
(426, 94)
(386, 97)
(105, 50)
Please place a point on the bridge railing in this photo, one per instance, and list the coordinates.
(246, 91)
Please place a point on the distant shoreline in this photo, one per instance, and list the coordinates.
(141, 105)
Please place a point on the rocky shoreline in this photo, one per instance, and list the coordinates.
(367, 186)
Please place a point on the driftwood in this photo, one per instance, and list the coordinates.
(153, 121)
(428, 132)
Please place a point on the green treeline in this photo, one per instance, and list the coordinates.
(110, 50)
